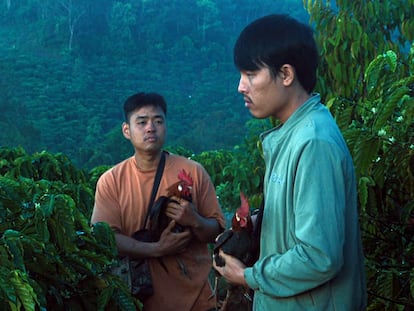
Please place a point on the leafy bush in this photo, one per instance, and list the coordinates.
(239, 169)
(367, 78)
(50, 256)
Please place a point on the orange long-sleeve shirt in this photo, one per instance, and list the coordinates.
(121, 200)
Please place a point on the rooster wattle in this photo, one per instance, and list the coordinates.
(238, 241)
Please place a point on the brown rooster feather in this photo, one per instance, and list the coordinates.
(238, 241)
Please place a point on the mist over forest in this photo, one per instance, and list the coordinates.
(68, 65)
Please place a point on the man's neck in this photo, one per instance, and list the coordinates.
(297, 100)
(147, 161)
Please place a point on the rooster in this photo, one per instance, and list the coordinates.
(159, 220)
(238, 241)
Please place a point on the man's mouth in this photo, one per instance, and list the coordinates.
(247, 102)
(150, 138)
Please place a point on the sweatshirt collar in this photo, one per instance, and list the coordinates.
(301, 112)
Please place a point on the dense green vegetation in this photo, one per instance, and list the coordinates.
(68, 65)
(50, 256)
(366, 79)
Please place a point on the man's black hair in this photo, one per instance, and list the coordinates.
(143, 99)
(275, 40)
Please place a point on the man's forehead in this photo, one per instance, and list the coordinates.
(149, 112)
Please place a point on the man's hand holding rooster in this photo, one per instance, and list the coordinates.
(233, 269)
(171, 242)
(183, 212)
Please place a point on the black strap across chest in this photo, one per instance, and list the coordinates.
(157, 179)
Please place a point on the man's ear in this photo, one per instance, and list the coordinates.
(125, 130)
(288, 74)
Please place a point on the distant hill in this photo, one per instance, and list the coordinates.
(66, 71)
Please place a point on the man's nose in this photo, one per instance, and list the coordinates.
(151, 126)
(242, 86)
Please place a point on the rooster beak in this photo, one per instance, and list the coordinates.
(180, 188)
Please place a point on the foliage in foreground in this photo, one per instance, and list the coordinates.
(50, 257)
(367, 78)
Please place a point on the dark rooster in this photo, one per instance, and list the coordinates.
(159, 220)
(238, 241)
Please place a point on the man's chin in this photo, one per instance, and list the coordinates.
(153, 147)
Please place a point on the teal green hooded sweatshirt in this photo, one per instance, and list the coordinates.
(311, 254)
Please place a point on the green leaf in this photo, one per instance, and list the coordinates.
(8, 291)
(24, 290)
(388, 106)
(104, 235)
(391, 58)
(363, 184)
(41, 224)
(124, 301)
(104, 298)
(12, 240)
(372, 73)
(365, 152)
(385, 283)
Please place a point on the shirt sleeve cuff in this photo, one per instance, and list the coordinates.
(249, 277)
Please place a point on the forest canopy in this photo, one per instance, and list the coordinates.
(68, 65)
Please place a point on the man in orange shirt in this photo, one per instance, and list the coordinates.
(122, 198)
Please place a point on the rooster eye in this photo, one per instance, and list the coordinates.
(180, 188)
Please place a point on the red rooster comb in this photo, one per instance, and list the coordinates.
(243, 212)
(244, 207)
(186, 178)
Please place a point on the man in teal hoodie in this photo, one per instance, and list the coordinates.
(311, 255)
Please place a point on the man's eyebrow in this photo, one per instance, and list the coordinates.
(143, 117)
